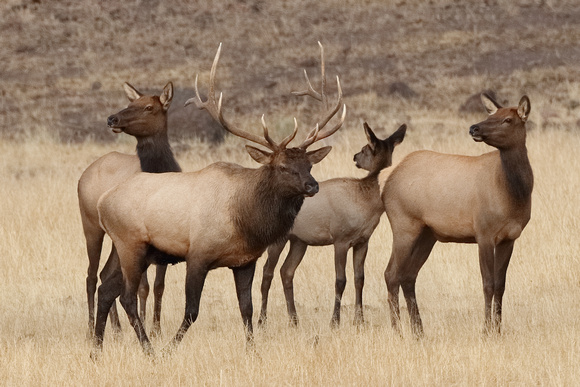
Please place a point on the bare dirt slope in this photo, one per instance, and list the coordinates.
(63, 63)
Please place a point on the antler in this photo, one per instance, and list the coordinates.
(310, 91)
(215, 110)
(318, 133)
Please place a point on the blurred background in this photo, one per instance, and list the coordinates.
(64, 62)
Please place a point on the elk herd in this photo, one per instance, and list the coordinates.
(226, 215)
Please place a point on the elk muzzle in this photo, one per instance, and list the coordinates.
(113, 122)
(355, 160)
(311, 188)
(475, 132)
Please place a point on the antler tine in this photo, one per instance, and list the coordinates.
(214, 109)
(319, 126)
(288, 139)
(323, 77)
(266, 135)
(336, 107)
(328, 133)
(318, 133)
(310, 90)
(210, 104)
(311, 138)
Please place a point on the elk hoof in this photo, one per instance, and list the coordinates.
(262, 322)
(335, 322)
(96, 354)
(156, 332)
(358, 320)
(293, 322)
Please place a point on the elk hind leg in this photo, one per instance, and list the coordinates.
(134, 265)
(274, 252)
(421, 250)
(111, 266)
(109, 290)
(94, 243)
(287, 271)
(402, 249)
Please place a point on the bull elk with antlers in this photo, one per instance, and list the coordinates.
(344, 213)
(224, 215)
(145, 119)
(485, 199)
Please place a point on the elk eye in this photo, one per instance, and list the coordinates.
(507, 120)
(289, 171)
(148, 108)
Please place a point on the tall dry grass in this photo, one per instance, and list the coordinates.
(43, 266)
(63, 64)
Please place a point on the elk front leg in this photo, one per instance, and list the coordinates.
(143, 293)
(158, 290)
(340, 254)
(194, 280)
(503, 253)
(359, 254)
(274, 252)
(486, 266)
(243, 277)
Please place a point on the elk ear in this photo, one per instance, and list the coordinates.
(491, 105)
(316, 156)
(259, 155)
(131, 92)
(397, 137)
(167, 95)
(371, 137)
(524, 108)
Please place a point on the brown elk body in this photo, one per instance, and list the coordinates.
(484, 199)
(344, 213)
(146, 119)
(222, 216)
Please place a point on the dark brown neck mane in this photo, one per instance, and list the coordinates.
(262, 214)
(155, 154)
(518, 173)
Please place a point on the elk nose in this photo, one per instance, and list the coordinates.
(474, 130)
(311, 188)
(112, 120)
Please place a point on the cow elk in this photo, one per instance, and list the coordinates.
(224, 215)
(344, 213)
(145, 119)
(484, 199)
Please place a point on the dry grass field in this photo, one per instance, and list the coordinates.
(63, 64)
